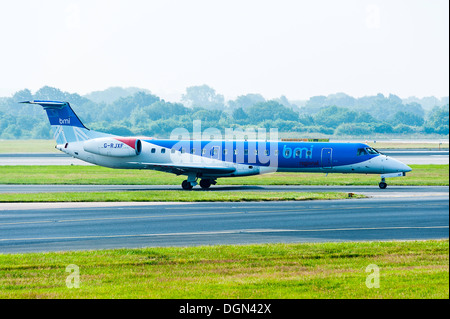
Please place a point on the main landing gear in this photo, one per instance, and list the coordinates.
(186, 185)
(205, 183)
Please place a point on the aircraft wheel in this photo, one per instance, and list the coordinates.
(205, 183)
(382, 185)
(186, 185)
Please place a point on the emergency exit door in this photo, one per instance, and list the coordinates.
(327, 156)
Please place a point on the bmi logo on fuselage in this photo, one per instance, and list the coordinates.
(297, 152)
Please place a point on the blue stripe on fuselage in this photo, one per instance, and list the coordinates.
(290, 154)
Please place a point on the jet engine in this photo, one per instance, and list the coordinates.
(114, 146)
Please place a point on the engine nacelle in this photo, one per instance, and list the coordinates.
(114, 146)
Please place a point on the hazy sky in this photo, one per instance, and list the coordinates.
(292, 48)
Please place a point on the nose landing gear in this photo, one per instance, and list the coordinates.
(383, 183)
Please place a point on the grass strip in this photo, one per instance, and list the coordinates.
(171, 196)
(28, 146)
(410, 269)
(89, 175)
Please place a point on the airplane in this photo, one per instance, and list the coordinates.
(208, 160)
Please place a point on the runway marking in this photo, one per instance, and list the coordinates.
(239, 231)
(304, 202)
(120, 218)
(68, 205)
(400, 195)
(276, 211)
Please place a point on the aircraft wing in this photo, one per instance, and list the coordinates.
(179, 169)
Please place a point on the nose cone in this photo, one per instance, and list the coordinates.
(407, 168)
(392, 165)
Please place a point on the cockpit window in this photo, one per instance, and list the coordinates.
(371, 151)
(361, 151)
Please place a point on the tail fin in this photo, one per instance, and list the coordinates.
(66, 125)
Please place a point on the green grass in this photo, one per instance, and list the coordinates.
(411, 269)
(171, 196)
(28, 146)
(421, 175)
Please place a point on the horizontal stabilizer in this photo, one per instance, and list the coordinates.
(48, 104)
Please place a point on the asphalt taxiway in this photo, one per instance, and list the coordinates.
(399, 214)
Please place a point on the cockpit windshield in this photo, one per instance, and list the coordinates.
(366, 151)
(371, 151)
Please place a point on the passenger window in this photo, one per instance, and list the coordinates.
(225, 151)
(172, 151)
(192, 150)
(361, 151)
(266, 152)
(163, 150)
(235, 152)
(153, 150)
(245, 152)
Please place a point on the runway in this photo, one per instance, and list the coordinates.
(42, 227)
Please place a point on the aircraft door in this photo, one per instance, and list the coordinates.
(215, 152)
(327, 154)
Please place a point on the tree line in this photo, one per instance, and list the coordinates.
(139, 112)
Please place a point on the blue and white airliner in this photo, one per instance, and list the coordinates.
(204, 161)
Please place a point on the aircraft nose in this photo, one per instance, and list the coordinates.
(397, 166)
